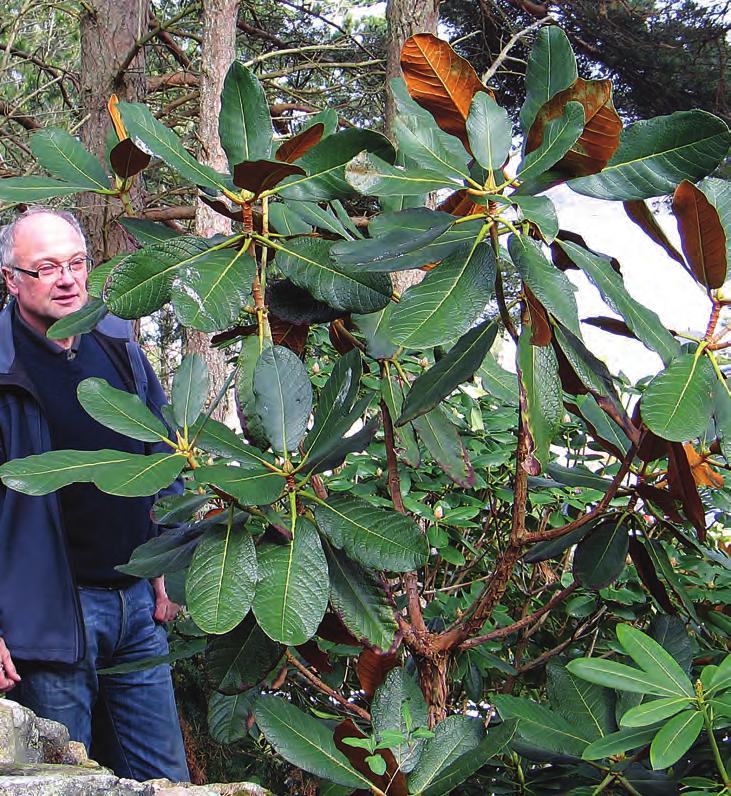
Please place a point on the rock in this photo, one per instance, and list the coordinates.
(49, 779)
(38, 759)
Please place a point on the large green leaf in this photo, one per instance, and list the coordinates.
(559, 136)
(398, 695)
(406, 444)
(190, 389)
(592, 372)
(64, 156)
(146, 232)
(312, 215)
(611, 674)
(79, 322)
(490, 131)
(115, 472)
(374, 537)
(293, 589)
(540, 211)
(496, 742)
(542, 727)
(642, 321)
(458, 365)
(141, 282)
(453, 737)
(325, 165)
(305, 742)
(285, 219)
(404, 240)
(245, 367)
(600, 558)
(241, 658)
(448, 301)
(171, 551)
(374, 328)
(208, 294)
(221, 580)
(550, 286)
(589, 707)
(541, 389)
(655, 155)
(14, 190)
(244, 124)
(308, 264)
(370, 175)
(674, 738)
(618, 742)
(283, 397)
(678, 403)
(551, 68)
(120, 410)
(441, 438)
(360, 601)
(498, 382)
(431, 148)
(396, 236)
(654, 711)
(251, 485)
(228, 715)
(162, 142)
(654, 658)
(219, 439)
(335, 406)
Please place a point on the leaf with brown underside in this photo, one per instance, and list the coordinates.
(441, 81)
(459, 203)
(392, 782)
(127, 159)
(339, 337)
(702, 235)
(611, 325)
(703, 473)
(221, 207)
(639, 212)
(661, 498)
(683, 488)
(602, 128)
(299, 144)
(540, 325)
(372, 668)
(261, 175)
(646, 570)
(563, 262)
(315, 656)
(291, 335)
(333, 629)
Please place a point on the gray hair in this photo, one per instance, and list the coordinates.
(7, 232)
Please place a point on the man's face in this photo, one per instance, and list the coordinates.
(40, 239)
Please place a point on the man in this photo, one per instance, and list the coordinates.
(65, 611)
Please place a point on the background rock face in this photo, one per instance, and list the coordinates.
(37, 759)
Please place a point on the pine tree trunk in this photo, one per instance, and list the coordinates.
(404, 18)
(219, 37)
(109, 30)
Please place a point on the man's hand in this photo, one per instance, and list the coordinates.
(8, 675)
(165, 609)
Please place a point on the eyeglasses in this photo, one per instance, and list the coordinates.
(50, 272)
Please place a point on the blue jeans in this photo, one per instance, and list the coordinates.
(129, 722)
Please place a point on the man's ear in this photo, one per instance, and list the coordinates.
(11, 281)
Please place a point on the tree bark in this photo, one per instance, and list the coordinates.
(404, 18)
(434, 683)
(109, 32)
(219, 38)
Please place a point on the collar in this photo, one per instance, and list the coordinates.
(40, 339)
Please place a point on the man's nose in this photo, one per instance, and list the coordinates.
(65, 277)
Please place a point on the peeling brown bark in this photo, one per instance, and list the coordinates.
(219, 35)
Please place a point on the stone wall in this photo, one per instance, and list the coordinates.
(38, 759)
